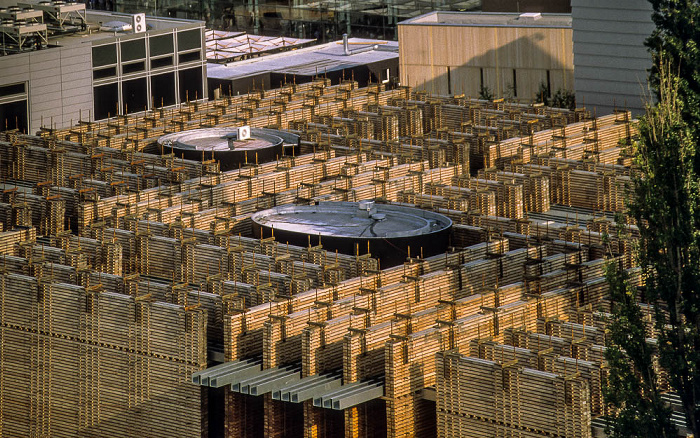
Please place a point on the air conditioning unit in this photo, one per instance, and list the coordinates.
(139, 22)
(244, 133)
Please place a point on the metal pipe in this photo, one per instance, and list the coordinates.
(346, 49)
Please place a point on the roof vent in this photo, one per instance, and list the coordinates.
(530, 16)
(115, 26)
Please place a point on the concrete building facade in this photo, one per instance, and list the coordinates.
(609, 54)
(93, 74)
(510, 54)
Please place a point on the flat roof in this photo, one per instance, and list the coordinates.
(95, 19)
(490, 19)
(311, 60)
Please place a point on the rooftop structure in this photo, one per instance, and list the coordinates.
(324, 21)
(386, 231)
(516, 56)
(491, 19)
(555, 6)
(67, 69)
(360, 59)
(229, 148)
(225, 46)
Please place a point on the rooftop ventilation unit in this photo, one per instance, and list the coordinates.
(138, 22)
(61, 16)
(530, 16)
(20, 32)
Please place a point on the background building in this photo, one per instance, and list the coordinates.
(554, 6)
(94, 74)
(366, 61)
(609, 53)
(324, 20)
(510, 54)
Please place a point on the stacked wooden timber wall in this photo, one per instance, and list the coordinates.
(131, 269)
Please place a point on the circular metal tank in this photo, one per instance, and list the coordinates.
(223, 145)
(388, 232)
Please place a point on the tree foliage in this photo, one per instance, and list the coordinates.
(632, 385)
(676, 39)
(485, 93)
(563, 98)
(542, 95)
(665, 202)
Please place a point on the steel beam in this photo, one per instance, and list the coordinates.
(308, 388)
(227, 372)
(350, 395)
(268, 380)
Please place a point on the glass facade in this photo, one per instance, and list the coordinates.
(138, 72)
(323, 20)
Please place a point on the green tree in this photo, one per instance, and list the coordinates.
(485, 93)
(665, 202)
(563, 99)
(632, 386)
(676, 39)
(542, 95)
(675, 254)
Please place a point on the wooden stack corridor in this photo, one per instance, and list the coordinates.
(124, 271)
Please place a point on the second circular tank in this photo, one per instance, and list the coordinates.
(388, 231)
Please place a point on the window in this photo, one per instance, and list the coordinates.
(515, 84)
(161, 45)
(13, 115)
(14, 109)
(134, 95)
(163, 90)
(133, 67)
(549, 85)
(133, 49)
(102, 73)
(161, 62)
(9, 90)
(104, 55)
(190, 84)
(189, 40)
(449, 81)
(106, 99)
(189, 57)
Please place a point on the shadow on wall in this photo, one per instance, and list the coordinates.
(517, 70)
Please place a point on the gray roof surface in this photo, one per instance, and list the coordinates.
(95, 18)
(309, 61)
(505, 19)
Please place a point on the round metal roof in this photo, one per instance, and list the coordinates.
(218, 139)
(364, 219)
